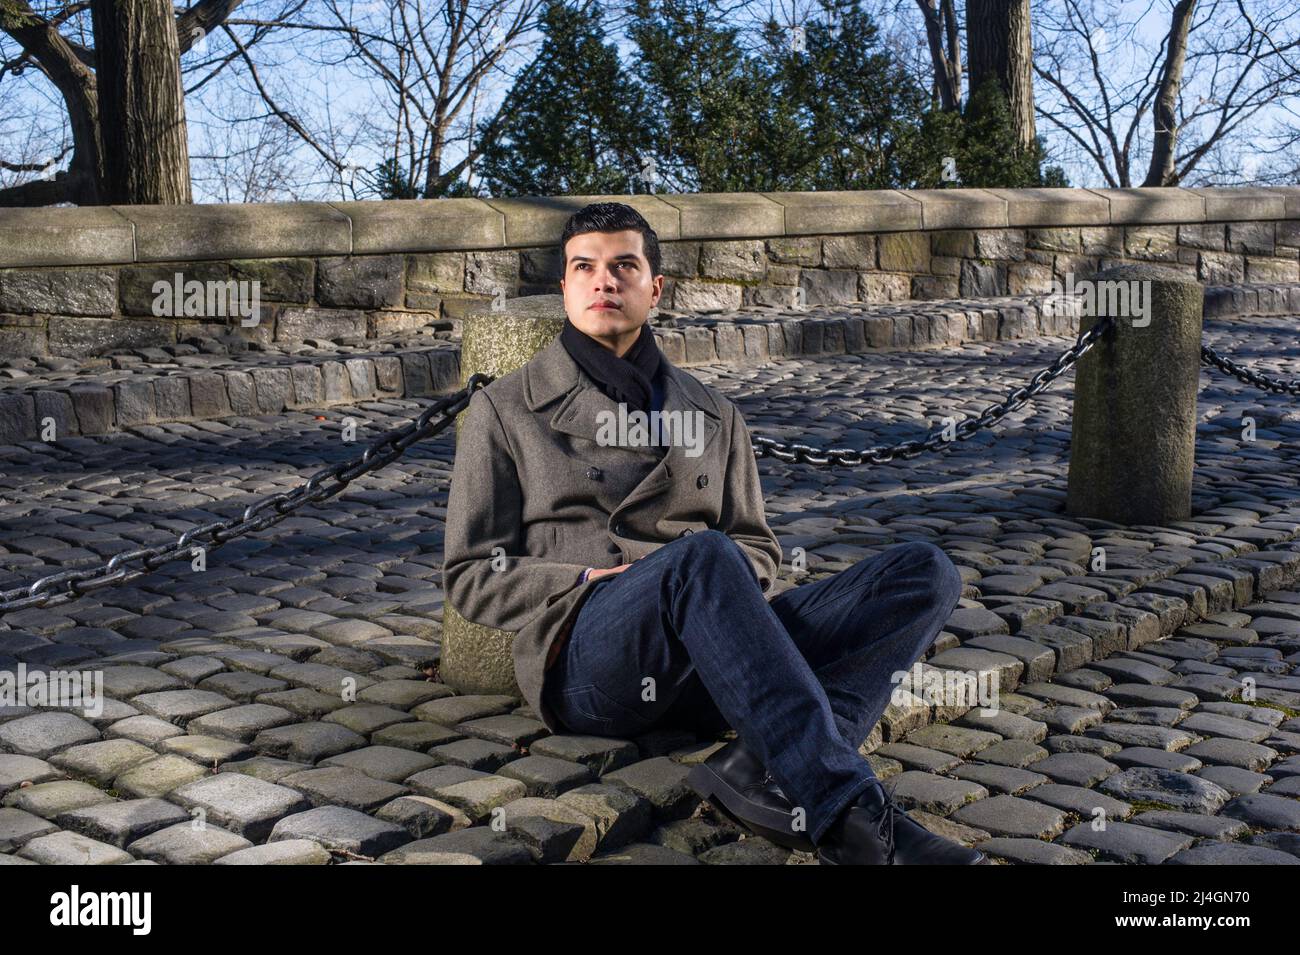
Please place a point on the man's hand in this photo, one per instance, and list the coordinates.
(553, 653)
(608, 570)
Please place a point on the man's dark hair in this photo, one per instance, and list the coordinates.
(612, 217)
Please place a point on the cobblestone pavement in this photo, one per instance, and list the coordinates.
(1150, 710)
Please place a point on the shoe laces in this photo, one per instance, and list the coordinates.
(888, 816)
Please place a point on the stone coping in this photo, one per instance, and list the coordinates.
(100, 235)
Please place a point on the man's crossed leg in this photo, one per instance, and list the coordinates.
(685, 637)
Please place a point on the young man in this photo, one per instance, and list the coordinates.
(635, 564)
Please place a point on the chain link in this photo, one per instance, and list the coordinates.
(66, 585)
(1280, 385)
(884, 453)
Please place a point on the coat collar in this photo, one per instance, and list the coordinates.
(552, 373)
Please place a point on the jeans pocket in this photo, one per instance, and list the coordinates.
(589, 709)
(582, 700)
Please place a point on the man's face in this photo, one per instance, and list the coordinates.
(608, 288)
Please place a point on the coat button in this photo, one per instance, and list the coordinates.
(702, 481)
(593, 473)
(618, 529)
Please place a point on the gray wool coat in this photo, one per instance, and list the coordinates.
(536, 499)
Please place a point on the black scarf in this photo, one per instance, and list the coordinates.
(627, 379)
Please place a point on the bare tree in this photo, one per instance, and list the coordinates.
(43, 47)
(142, 107)
(1236, 85)
(430, 63)
(128, 127)
(1161, 171)
(246, 155)
(943, 36)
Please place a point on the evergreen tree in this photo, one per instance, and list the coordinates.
(982, 142)
(576, 124)
(858, 102)
(836, 111)
(721, 127)
(392, 181)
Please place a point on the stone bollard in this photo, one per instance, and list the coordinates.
(1133, 435)
(477, 659)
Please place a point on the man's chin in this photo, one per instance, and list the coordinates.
(608, 320)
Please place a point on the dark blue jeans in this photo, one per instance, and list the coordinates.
(685, 638)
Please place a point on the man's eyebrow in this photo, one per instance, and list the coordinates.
(587, 258)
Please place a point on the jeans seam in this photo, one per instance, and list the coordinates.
(827, 601)
(875, 587)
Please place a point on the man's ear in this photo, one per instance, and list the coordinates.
(659, 290)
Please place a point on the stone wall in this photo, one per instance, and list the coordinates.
(79, 282)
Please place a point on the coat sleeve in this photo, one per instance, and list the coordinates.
(507, 588)
(742, 516)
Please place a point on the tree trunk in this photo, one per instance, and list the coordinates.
(1164, 116)
(941, 25)
(76, 84)
(142, 104)
(999, 45)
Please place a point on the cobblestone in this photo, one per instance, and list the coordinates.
(243, 804)
(339, 829)
(102, 762)
(70, 848)
(1124, 842)
(43, 734)
(118, 823)
(158, 777)
(183, 844)
(48, 800)
(18, 827)
(298, 657)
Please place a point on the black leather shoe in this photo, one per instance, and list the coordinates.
(874, 830)
(736, 783)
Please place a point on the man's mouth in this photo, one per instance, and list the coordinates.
(604, 305)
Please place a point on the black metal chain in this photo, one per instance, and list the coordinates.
(69, 584)
(66, 585)
(883, 453)
(1280, 385)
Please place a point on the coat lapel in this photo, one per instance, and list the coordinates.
(553, 373)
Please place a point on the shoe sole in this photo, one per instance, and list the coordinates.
(768, 823)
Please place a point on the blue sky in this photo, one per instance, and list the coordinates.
(345, 109)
